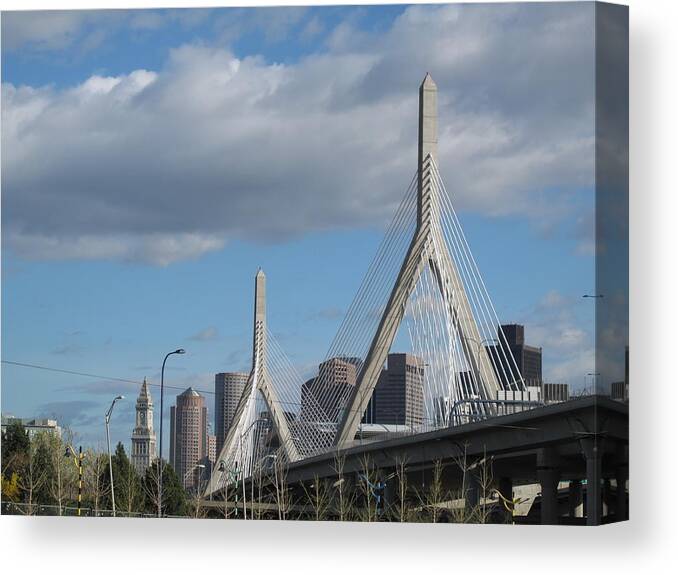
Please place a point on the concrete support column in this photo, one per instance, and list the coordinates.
(548, 474)
(594, 468)
(575, 499)
(549, 478)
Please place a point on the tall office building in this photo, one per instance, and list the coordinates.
(228, 387)
(399, 393)
(143, 436)
(527, 357)
(332, 387)
(188, 437)
(212, 449)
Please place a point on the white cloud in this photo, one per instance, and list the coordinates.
(164, 165)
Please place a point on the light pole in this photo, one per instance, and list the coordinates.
(192, 470)
(107, 418)
(232, 475)
(162, 383)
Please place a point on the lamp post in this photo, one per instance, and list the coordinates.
(232, 476)
(162, 383)
(192, 470)
(107, 418)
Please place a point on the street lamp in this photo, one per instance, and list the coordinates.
(107, 418)
(162, 383)
(222, 468)
(201, 475)
(193, 470)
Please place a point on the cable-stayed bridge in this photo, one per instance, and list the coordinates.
(423, 282)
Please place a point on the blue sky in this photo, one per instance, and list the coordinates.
(153, 160)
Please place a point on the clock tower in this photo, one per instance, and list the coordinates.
(143, 436)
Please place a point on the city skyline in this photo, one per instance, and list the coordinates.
(201, 300)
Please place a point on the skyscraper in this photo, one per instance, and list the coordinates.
(228, 388)
(188, 436)
(143, 436)
(332, 386)
(528, 358)
(399, 394)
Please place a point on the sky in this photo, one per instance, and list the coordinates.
(153, 160)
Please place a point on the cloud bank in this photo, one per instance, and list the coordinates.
(167, 165)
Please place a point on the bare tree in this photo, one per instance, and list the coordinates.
(433, 496)
(96, 487)
(64, 475)
(461, 513)
(368, 479)
(401, 509)
(150, 485)
(344, 497)
(485, 483)
(197, 508)
(128, 490)
(33, 477)
(318, 494)
(283, 495)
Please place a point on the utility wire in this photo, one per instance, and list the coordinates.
(70, 372)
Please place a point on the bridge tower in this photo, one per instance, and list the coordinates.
(237, 450)
(427, 248)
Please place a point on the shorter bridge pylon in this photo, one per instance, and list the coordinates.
(238, 454)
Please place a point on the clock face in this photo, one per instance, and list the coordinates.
(143, 418)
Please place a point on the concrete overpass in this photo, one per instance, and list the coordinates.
(583, 441)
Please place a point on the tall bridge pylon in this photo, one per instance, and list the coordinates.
(428, 248)
(424, 277)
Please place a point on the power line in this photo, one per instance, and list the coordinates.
(94, 375)
(121, 379)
